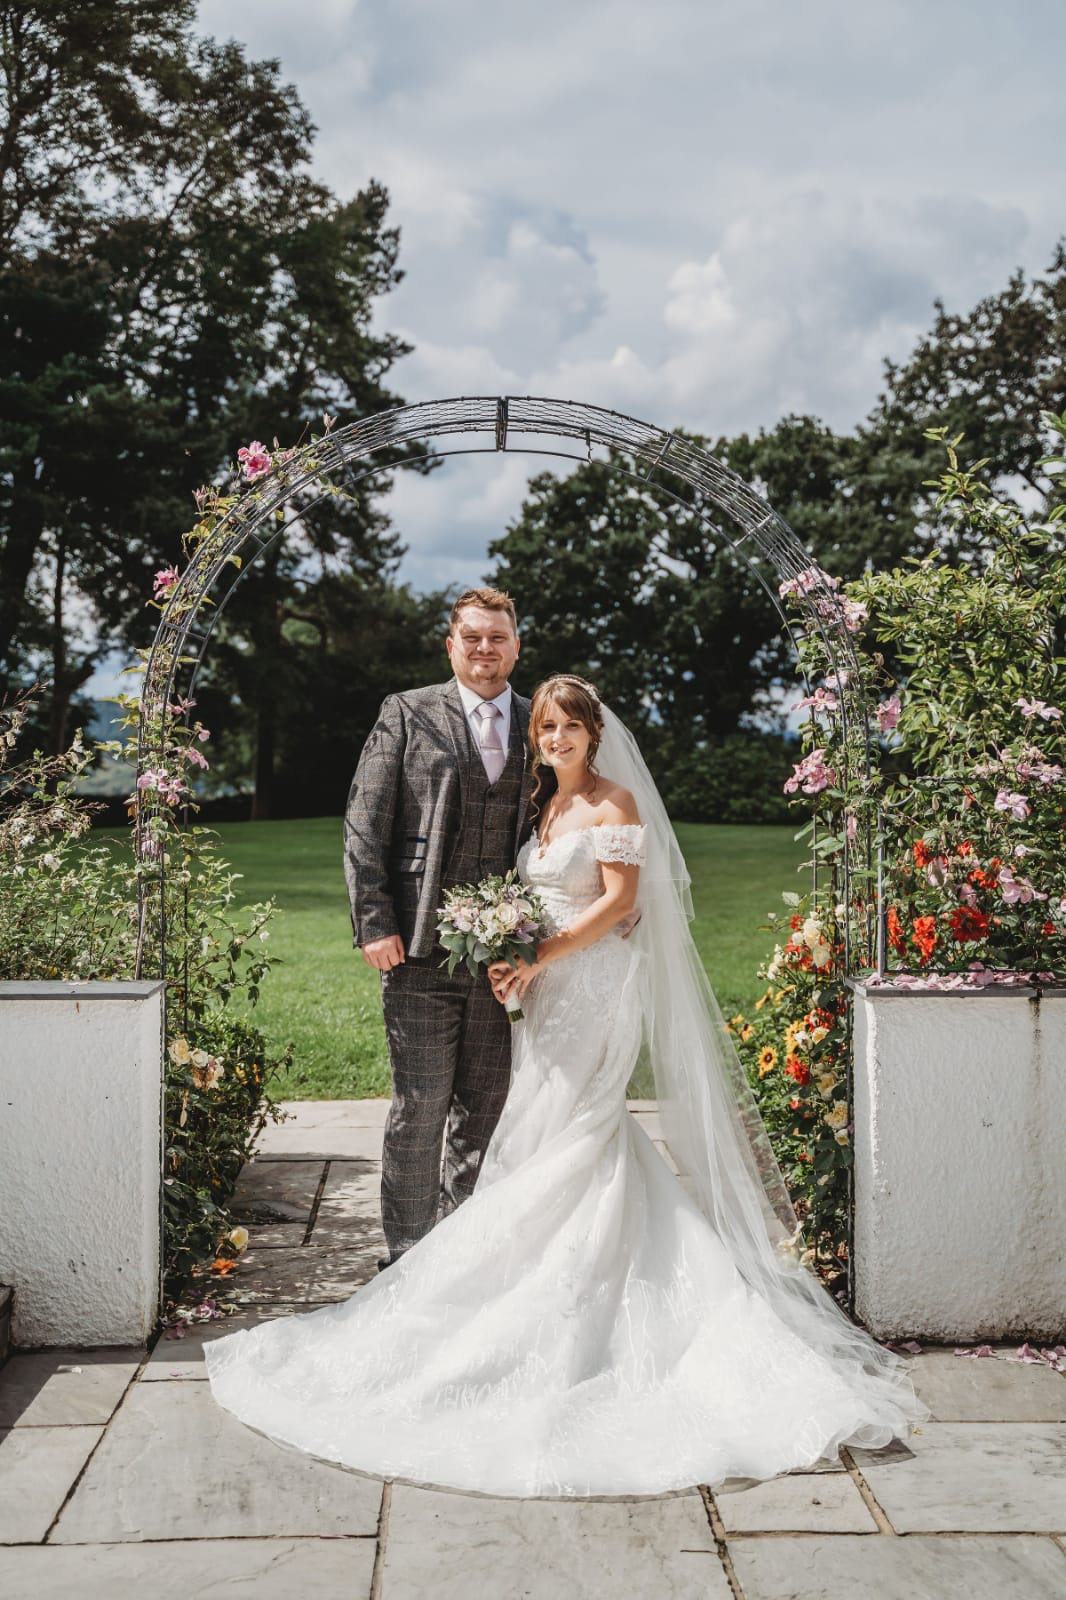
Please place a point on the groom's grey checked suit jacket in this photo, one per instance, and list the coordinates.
(422, 817)
(406, 810)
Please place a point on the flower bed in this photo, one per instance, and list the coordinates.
(937, 818)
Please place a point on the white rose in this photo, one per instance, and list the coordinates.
(508, 916)
(238, 1238)
(821, 955)
(812, 932)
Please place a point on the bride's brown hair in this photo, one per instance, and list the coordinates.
(575, 698)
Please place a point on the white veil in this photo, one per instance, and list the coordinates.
(710, 1118)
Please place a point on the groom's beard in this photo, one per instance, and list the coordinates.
(490, 675)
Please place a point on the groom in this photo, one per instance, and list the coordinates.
(440, 797)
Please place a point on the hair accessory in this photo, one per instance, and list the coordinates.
(582, 683)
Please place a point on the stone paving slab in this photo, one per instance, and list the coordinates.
(353, 1188)
(210, 1569)
(264, 1276)
(37, 1468)
(56, 1388)
(851, 1567)
(452, 1546)
(283, 1187)
(175, 1465)
(972, 1477)
(179, 1359)
(273, 1235)
(324, 1142)
(984, 1389)
(337, 1113)
(826, 1502)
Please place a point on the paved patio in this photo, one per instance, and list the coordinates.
(120, 1477)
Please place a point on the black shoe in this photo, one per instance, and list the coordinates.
(386, 1261)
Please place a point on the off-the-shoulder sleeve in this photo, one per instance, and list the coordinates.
(620, 841)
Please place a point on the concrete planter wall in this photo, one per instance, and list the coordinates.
(960, 1154)
(81, 1074)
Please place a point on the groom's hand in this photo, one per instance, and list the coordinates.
(384, 954)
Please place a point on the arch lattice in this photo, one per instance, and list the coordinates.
(484, 424)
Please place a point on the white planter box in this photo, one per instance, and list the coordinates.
(960, 1152)
(81, 1083)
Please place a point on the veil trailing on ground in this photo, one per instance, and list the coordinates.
(710, 1119)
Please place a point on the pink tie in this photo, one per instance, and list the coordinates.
(493, 756)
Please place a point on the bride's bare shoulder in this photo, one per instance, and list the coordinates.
(615, 805)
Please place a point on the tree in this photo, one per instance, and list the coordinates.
(636, 589)
(342, 644)
(172, 283)
(989, 374)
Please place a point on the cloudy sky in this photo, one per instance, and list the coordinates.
(704, 214)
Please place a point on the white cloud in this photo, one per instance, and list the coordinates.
(700, 213)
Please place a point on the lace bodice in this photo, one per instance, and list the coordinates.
(566, 873)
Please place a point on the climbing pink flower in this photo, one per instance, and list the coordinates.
(888, 713)
(255, 460)
(1039, 708)
(810, 578)
(1017, 891)
(811, 775)
(164, 582)
(196, 757)
(820, 700)
(855, 614)
(1016, 804)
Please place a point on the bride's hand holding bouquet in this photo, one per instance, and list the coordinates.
(495, 924)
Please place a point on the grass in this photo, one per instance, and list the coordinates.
(324, 998)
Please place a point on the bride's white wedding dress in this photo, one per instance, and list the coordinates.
(578, 1326)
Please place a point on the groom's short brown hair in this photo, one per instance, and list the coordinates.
(489, 600)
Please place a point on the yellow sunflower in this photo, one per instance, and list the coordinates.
(767, 1060)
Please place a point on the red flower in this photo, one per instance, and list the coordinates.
(1049, 927)
(924, 936)
(922, 853)
(965, 848)
(895, 932)
(968, 923)
(795, 922)
(797, 1068)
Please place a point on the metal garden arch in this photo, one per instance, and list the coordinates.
(477, 425)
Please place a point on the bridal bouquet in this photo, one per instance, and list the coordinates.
(498, 919)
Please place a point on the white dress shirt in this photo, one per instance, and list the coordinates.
(471, 700)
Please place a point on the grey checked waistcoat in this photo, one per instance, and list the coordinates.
(485, 844)
(421, 814)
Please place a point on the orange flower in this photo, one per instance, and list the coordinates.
(922, 853)
(895, 932)
(924, 936)
(798, 1069)
(222, 1266)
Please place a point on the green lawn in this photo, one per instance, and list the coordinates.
(324, 998)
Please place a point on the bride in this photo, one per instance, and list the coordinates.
(586, 1323)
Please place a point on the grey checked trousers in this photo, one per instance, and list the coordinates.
(450, 1052)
